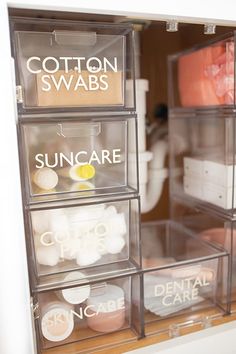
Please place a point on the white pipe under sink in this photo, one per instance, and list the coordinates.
(152, 172)
(151, 189)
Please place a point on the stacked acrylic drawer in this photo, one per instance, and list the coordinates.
(185, 278)
(78, 157)
(202, 147)
(78, 154)
(202, 166)
(73, 66)
(188, 261)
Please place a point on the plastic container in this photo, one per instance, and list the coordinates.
(183, 276)
(73, 158)
(100, 235)
(214, 229)
(203, 76)
(112, 306)
(66, 65)
(202, 159)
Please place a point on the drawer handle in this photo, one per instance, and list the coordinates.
(79, 130)
(71, 38)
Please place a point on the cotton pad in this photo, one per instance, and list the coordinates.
(114, 245)
(40, 221)
(47, 255)
(101, 246)
(76, 295)
(86, 257)
(114, 223)
(110, 211)
(68, 249)
(118, 223)
(58, 221)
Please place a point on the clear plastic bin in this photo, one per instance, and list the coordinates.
(63, 65)
(101, 235)
(214, 229)
(183, 276)
(203, 76)
(94, 314)
(86, 158)
(202, 159)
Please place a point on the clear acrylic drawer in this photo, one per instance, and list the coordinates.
(214, 229)
(67, 158)
(204, 75)
(72, 65)
(100, 235)
(202, 159)
(182, 276)
(97, 315)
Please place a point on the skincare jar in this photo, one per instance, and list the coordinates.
(107, 309)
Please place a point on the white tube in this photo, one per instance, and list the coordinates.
(159, 150)
(152, 173)
(150, 192)
(141, 133)
(141, 86)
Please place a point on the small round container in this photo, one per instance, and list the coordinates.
(107, 309)
(57, 321)
(75, 295)
(45, 178)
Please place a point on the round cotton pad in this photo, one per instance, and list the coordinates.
(79, 294)
(47, 255)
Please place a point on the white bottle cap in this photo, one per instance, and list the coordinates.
(78, 294)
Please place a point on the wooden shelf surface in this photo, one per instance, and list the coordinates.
(118, 343)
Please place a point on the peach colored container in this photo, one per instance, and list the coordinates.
(57, 322)
(199, 85)
(107, 313)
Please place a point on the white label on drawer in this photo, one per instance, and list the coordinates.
(60, 159)
(57, 316)
(77, 79)
(103, 307)
(179, 291)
